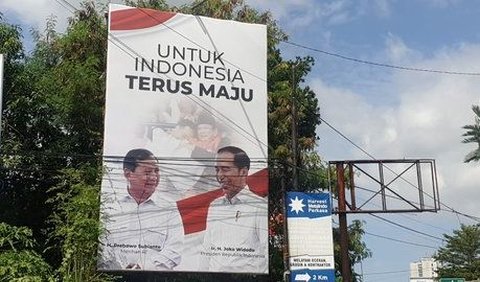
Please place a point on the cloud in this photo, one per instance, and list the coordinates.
(39, 10)
(301, 13)
(396, 49)
(382, 7)
(34, 13)
(425, 122)
(443, 4)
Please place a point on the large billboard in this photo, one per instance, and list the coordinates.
(310, 237)
(185, 145)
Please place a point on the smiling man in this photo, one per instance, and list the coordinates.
(236, 232)
(142, 230)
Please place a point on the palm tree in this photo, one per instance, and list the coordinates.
(473, 136)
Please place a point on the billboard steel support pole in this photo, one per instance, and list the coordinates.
(342, 219)
(286, 268)
(294, 132)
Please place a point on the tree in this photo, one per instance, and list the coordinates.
(460, 257)
(25, 135)
(18, 261)
(473, 136)
(74, 88)
(357, 250)
(53, 131)
(76, 227)
(53, 116)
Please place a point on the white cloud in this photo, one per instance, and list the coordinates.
(396, 49)
(425, 123)
(33, 13)
(442, 3)
(300, 13)
(382, 7)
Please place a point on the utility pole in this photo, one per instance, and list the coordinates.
(294, 130)
(286, 268)
(342, 218)
(294, 175)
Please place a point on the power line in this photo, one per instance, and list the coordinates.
(339, 56)
(67, 6)
(346, 138)
(397, 240)
(401, 241)
(406, 228)
(372, 157)
(313, 49)
(410, 218)
(385, 65)
(386, 272)
(204, 105)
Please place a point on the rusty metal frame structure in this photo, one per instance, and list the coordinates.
(342, 210)
(350, 165)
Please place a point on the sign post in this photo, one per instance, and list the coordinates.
(310, 237)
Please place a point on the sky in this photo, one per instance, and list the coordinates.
(388, 112)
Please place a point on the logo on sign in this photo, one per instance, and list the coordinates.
(296, 205)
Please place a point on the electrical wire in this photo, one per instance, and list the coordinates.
(372, 157)
(366, 62)
(399, 240)
(406, 227)
(384, 65)
(204, 105)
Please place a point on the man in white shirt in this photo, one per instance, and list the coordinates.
(143, 227)
(236, 233)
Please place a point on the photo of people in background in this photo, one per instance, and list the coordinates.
(190, 134)
(199, 186)
(236, 232)
(143, 231)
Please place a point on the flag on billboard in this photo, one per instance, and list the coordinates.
(185, 145)
(310, 237)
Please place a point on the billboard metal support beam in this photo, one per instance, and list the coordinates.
(385, 192)
(342, 219)
(294, 131)
(286, 268)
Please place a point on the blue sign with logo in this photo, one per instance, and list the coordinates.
(310, 237)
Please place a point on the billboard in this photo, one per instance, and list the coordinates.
(185, 181)
(310, 237)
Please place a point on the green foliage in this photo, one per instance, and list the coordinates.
(10, 42)
(23, 266)
(53, 131)
(357, 250)
(25, 133)
(473, 136)
(460, 257)
(53, 127)
(76, 227)
(152, 4)
(12, 237)
(17, 261)
(75, 85)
